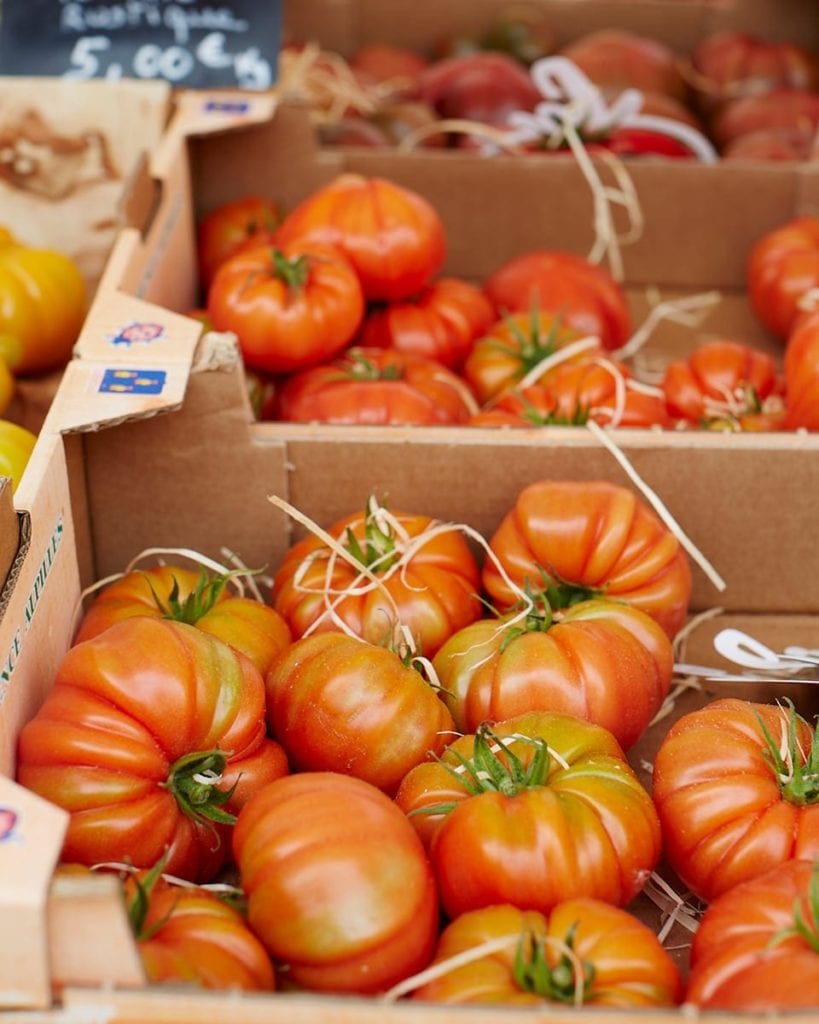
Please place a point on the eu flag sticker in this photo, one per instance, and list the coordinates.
(133, 382)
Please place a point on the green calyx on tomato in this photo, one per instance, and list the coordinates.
(558, 983)
(798, 782)
(294, 273)
(379, 551)
(359, 367)
(485, 772)
(579, 417)
(140, 902)
(197, 604)
(533, 347)
(806, 928)
(193, 780)
(555, 595)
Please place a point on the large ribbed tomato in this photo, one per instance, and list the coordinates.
(43, 301)
(185, 595)
(757, 946)
(230, 225)
(736, 789)
(376, 386)
(144, 734)
(339, 887)
(802, 375)
(399, 568)
(536, 810)
(441, 322)
(584, 953)
(337, 703)
(291, 305)
(585, 295)
(392, 235)
(783, 267)
(590, 538)
(603, 661)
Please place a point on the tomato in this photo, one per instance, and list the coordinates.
(221, 231)
(482, 86)
(720, 378)
(337, 704)
(339, 888)
(16, 445)
(585, 953)
(736, 793)
(590, 538)
(731, 63)
(556, 813)
(143, 725)
(603, 661)
(398, 66)
(771, 144)
(586, 296)
(43, 299)
(603, 390)
(783, 110)
(398, 568)
(190, 934)
(376, 386)
(441, 322)
(392, 235)
(802, 375)
(185, 595)
(290, 307)
(513, 347)
(615, 58)
(783, 266)
(521, 33)
(757, 946)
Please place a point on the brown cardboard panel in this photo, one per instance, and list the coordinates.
(9, 531)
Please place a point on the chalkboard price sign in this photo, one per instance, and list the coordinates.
(185, 42)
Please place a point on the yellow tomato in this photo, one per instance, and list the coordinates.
(16, 446)
(42, 305)
(7, 385)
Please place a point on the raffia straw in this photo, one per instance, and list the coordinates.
(324, 80)
(457, 126)
(468, 956)
(688, 311)
(659, 507)
(661, 895)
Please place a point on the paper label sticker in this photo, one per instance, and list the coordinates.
(118, 380)
(137, 333)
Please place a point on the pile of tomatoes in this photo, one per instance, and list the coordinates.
(408, 764)
(343, 316)
(754, 98)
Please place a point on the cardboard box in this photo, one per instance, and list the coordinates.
(190, 467)
(68, 150)
(344, 25)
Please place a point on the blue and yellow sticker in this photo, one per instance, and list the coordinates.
(117, 380)
(226, 106)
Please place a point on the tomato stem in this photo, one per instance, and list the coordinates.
(193, 780)
(197, 604)
(293, 273)
(558, 983)
(797, 772)
(805, 922)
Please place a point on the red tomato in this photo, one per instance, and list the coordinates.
(757, 947)
(603, 390)
(290, 307)
(733, 801)
(783, 110)
(184, 595)
(392, 235)
(556, 813)
(189, 934)
(376, 386)
(513, 347)
(613, 58)
(771, 144)
(337, 704)
(142, 736)
(585, 953)
(339, 888)
(590, 538)
(802, 375)
(225, 228)
(441, 322)
(400, 568)
(480, 86)
(586, 296)
(731, 63)
(602, 661)
(398, 66)
(721, 377)
(783, 266)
